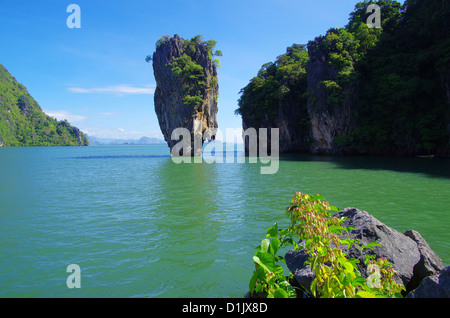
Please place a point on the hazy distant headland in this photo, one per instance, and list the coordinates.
(95, 141)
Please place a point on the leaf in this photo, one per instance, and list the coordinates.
(278, 270)
(359, 281)
(258, 261)
(347, 280)
(349, 229)
(342, 259)
(371, 245)
(274, 246)
(341, 277)
(335, 229)
(252, 283)
(316, 197)
(348, 266)
(280, 293)
(265, 245)
(272, 231)
(267, 259)
(366, 294)
(288, 240)
(349, 242)
(333, 208)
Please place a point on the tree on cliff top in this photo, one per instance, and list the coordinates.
(192, 75)
(401, 70)
(276, 83)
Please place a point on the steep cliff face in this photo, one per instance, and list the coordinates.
(305, 96)
(292, 135)
(330, 103)
(276, 99)
(383, 91)
(187, 87)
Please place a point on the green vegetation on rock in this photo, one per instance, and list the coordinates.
(277, 83)
(23, 123)
(392, 82)
(192, 75)
(402, 101)
(335, 274)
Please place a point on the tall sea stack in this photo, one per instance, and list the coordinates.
(186, 88)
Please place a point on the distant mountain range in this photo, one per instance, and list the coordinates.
(95, 141)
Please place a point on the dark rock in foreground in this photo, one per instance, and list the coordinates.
(437, 286)
(410, 255)
(430, 264)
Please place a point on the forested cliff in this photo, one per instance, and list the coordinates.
(23, 123)
(362, 90)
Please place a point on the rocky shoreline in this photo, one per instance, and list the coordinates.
(417, 266)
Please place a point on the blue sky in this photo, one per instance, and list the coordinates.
(96, 76)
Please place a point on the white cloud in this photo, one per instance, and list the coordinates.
(63, 114)
(121, 129)
(108, 114)
(116, 89)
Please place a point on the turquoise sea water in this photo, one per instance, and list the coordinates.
(139, 225)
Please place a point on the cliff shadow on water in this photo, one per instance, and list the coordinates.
(435, 168)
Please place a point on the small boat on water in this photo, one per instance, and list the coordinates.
(426, 157)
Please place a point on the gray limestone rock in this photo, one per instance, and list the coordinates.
(437, 286)
(409, 254)
(171, 92)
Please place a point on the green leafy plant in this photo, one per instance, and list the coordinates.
(268, 276)
(322, 237)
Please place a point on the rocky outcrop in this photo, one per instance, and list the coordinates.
(410, 255)
(313, 112)
(430, 263)
(370, 91)
(172, 106)
(437, 286)
(74, 132)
